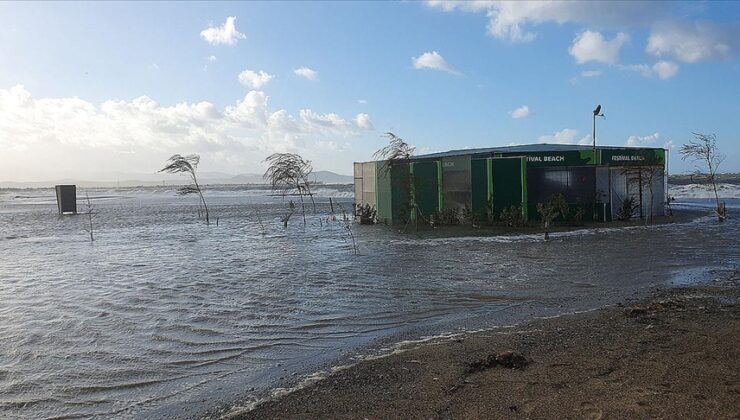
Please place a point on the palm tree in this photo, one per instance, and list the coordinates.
(288, 173)
(187, 165)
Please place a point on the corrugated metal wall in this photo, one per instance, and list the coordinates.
(368, 185)
(383, 192)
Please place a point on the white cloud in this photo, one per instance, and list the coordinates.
(307, 73)
(212, 58)
(253, 79)
(361, 101)
(662, 69)
(564, 136)
(362, 120)
(432, 60)
(692, 42)
(224, 34)
(521, 112)
(634, 141)
(592, 46)
(66, 136)
(510, 20)
(665, 69)
(591, 73)
(643, 69)
(323, 123)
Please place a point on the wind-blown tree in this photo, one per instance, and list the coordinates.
(187, 165)
(396, 152)
(703, 148)
(288, 173)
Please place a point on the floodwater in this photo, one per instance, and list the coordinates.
(165, 316)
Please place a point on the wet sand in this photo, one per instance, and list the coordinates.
(674, 355)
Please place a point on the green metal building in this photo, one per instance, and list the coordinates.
(491, 179)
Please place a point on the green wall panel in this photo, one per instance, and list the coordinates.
(479, 185)
(507, 183)
(633, 157)
(426, 187)
(400, 192)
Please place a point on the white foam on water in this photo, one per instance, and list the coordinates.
(727, 191)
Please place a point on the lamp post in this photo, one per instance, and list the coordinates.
(597, 113)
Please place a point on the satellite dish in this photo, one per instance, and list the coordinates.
(597, 110)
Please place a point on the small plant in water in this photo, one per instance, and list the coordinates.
(286, 217)
(550, 210)
(347, 226)
(368, 214)
(89, 211)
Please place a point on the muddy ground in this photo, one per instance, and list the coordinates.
(674, 355)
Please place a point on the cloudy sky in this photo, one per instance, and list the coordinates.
(93, 89)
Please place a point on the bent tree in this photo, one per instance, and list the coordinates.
(703, 149)
(288, 173)
(397, 151)
(188, 165)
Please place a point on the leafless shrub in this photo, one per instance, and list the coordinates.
(703, 148)
(347, 226)
(89, 211)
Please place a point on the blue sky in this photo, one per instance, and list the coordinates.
(118, 87)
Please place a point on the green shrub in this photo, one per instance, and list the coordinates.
(512, 216)
(628, 209)
(446, 217)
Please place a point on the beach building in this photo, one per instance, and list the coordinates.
(485, 181)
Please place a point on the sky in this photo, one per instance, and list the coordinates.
(109, 90)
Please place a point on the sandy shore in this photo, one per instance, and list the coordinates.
(674, 355)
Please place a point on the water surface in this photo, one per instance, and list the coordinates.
(163, 315)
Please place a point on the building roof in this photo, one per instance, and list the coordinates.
(525, 148)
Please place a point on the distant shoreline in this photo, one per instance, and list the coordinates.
(672, 355)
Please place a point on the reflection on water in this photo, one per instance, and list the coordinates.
(162, 311)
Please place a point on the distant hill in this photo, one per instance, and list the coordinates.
(135, 180)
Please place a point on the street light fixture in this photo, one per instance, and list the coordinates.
(597, 113)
